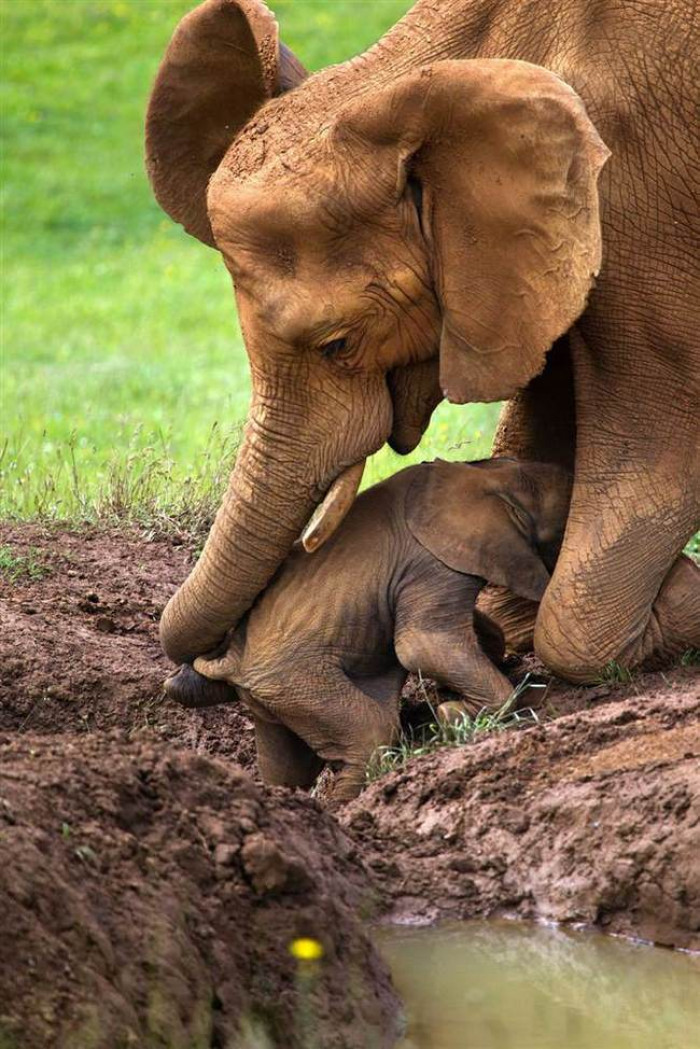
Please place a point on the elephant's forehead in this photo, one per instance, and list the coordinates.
(286, 191)
(287, 249)
(266, 238)
(293, 308)
(304, 207)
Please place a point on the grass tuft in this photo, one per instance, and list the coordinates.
(691, 658)
(15, 566)
(693, 547)
(458, 733)
(140, 484)
(615, 674)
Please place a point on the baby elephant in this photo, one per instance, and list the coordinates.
(322, 656)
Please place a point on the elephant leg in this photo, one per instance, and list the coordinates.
(538, 424)
(591, 617)
(674, 623)
(621, 592)
(516, 616)
(457, 661)
(435, 635)
(284, 759)
(338, 722)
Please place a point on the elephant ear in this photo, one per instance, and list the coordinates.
(469, 520)
(223, 62)
(508, 162)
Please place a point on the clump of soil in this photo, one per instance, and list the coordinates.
(150, 896)
(594, 818)
(80, 650)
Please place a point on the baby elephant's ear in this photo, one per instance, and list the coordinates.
(457, 513)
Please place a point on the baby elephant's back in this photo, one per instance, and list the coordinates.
(319, 593)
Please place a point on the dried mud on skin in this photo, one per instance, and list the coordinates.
(149, 898)
(593, 819)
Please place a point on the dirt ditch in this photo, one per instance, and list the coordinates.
(154, 886)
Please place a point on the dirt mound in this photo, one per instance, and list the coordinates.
(80, 653)
(594, 818)
(150, 896)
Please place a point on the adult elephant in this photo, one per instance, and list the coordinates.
(422, 221)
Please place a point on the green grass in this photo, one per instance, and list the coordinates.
(615, 674)
(457, 732)
(120, 344)
(693, 546)
(16, 566)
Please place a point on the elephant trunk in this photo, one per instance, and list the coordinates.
(287, 463)
(262, 514)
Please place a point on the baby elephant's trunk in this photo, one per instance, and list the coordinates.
(191, 689)
(208, 682)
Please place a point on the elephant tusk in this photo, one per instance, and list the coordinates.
(328, 515)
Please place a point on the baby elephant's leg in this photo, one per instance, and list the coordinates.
(342, 724)
(435, 635)
(284, 760)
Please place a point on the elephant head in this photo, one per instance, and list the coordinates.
(391, 241)
(499, 519)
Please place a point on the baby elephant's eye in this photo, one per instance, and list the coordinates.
(334, 348)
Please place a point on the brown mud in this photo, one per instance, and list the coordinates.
(136, 896)
(80, 651)
(149, 898)
(593, 819)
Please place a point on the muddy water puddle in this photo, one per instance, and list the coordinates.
(502, 985)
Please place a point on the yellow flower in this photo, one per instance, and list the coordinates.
(306, 950)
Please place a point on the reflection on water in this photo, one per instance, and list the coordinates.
(501, 985)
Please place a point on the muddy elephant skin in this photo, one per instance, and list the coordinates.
(322, 657)
(426, 221)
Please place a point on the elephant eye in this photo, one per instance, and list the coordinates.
(333, 348)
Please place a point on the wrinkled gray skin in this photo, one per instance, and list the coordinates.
(377, 202)
(323, 655)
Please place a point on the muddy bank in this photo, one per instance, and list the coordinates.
(80, 653)
(150, 896)
(594, 818)
(153, 886)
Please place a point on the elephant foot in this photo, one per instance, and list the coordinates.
(284, 759)
(193, 690)
(515, 616)
(347, 785)
(453, 713)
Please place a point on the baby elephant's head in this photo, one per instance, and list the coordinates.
(500, 519)
(539, 495)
